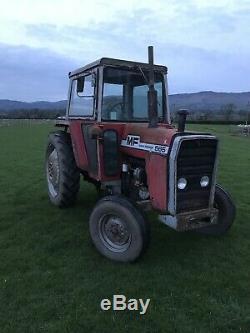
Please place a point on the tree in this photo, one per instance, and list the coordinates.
(229, 110)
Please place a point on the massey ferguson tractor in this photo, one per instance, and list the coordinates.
(118, 135)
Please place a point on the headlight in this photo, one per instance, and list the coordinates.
(204, 181)
(182, 183)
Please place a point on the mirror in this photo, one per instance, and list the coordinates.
(80, 84)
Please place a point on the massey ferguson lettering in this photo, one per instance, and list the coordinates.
(134, 141)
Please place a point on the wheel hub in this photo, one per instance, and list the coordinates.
(114, 233)
(53, 173)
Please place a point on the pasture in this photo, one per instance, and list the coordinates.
(52, 279)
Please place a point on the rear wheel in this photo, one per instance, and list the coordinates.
(63, 176)
(118, 230)
(224, 203)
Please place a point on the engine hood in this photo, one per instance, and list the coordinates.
(159, 135)
(143, 138)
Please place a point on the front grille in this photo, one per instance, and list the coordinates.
(196, 158)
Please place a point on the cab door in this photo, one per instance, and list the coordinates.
(82, 113)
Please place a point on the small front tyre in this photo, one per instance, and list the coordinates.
(118, 230)
(227, 211)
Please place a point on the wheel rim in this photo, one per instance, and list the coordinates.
(114, 233)
(53, 173)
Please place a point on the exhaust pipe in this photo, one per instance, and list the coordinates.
(182, 119)
(152, 93)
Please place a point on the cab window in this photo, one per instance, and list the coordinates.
(82, 102)
(125, 95)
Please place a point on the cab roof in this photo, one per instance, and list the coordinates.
(116, 62)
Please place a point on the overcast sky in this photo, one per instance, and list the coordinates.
(205, 44)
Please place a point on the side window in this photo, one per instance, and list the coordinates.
(82, 103)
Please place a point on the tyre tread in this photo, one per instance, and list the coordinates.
(70, 183)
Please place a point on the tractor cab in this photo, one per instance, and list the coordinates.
(114, 105)
(111, 90)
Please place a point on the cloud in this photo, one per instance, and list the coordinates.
(217, 27)
(191, 68)
(116, 39)
(209, 20)
(33, 74)
(203, 43)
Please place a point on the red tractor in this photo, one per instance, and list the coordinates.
(117, 134)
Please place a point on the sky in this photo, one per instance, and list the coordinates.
(204, 43)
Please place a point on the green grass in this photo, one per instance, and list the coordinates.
(52, 279)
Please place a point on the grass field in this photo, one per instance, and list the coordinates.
(52, 279)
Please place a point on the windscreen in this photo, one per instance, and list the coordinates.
(125, 95)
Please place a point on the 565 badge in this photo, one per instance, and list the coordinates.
(134, 141)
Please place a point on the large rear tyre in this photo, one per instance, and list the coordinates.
(62, 174)
(227, 211)
(118, 230)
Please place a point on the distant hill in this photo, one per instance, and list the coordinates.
(209, 100)
(8, 105)
(205, 100)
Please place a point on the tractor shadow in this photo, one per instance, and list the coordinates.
(184, 248)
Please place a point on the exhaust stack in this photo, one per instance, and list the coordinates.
(182, 119)
(152, 93)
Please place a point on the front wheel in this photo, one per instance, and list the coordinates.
(118, 230)
(227, 211)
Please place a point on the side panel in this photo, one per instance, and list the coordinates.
(89, 153)
(91, 149)
(156, 167)
(111, 156)
(119, 130)
(78, 145)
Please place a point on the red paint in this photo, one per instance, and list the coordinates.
(156, 165)
(78, 144)
(156, 168)
(160, 135)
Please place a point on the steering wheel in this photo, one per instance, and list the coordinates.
(116, 108)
